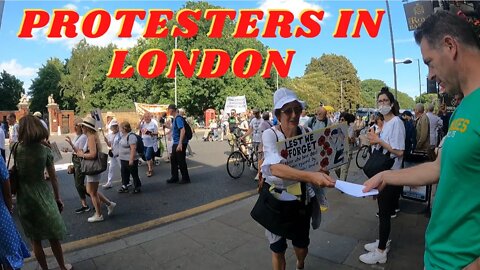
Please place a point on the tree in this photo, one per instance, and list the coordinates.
(426, 98)
(315, 88)
(339, 69)
(85, 76)
(11, 90)
(370, 89)
(46, 83)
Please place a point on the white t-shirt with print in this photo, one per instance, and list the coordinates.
(255, 125)
(393, 133)
(148, 140)
(13, 134)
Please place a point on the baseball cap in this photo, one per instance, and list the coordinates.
(37, 114)
(114, 122)
(283, 96)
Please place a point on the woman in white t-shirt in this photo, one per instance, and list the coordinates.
(391, 139)
(278, 176)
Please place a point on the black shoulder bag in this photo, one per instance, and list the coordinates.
(280, 217)
(378, 162)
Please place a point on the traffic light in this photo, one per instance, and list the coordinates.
(432, 87)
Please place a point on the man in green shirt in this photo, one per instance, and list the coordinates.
(451, 50)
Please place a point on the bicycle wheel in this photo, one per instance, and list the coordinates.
(254, 158)
(235, 164)
(362, 156)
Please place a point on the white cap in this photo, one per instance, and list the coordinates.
(114, 122)
(37, 114)
(283, 96)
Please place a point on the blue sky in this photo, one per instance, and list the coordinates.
(371, 56)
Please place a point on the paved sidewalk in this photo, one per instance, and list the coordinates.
(227, 238)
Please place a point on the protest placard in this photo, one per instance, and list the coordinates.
(320, 149)
(57, 156)
(97, 115)
(238, 103)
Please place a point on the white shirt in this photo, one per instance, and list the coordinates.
(436, 123)
(114, 140)
(2, 139)
(303, 120)
(393, 133)
(80, 141)
(257, 133)
(13, 130)
(148, 140)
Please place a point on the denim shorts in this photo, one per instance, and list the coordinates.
(149, 153)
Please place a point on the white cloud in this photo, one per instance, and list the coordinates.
(25, 74)
(17, 69)
(109, 37)
(295, 6)
(398, 60)
(70, 6)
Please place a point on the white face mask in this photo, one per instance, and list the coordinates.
(384, 109)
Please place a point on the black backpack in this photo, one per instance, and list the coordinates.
(140, 145)
(188, 129)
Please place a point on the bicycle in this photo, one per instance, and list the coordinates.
(364, 151)
(237, 159)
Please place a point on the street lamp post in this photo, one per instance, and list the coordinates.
(393, 48)
(176, 76)
(341, 92)
(409, 61)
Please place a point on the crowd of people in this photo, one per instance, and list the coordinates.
(450, 49)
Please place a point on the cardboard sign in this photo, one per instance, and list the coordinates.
(57, 156)
(238, 103)
(325, 148)
(97, 115)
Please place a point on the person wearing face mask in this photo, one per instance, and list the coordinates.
(391, 139)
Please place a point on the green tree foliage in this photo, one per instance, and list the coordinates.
(426, 98)
(11, 90)
(315, 88)
(370, 89)
(338, 68)
(46, 83)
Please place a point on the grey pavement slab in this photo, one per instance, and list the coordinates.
(227, 238)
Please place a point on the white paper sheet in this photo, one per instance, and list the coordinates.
(354, 190)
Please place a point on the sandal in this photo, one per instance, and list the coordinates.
(149, 173)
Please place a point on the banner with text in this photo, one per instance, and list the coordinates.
(156, 109)
(238, 103)
(323, 148)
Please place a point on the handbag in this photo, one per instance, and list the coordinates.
(279, 217)
(378, 162)
(94, 166)
(13, 172)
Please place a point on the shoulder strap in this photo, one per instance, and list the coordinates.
(274, 132)
(14, 152)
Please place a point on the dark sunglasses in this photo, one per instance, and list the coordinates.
(290, 110)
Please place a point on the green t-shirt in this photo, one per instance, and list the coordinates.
(453, 234)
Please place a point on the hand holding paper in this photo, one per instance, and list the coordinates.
(354, 190)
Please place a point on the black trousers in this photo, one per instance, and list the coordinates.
(387, 202)
(127, 170)
(178, 161)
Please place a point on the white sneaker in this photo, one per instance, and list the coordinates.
(95, 218)
(111, 207)
(107, 186)
(373, 257)
(373, 246)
